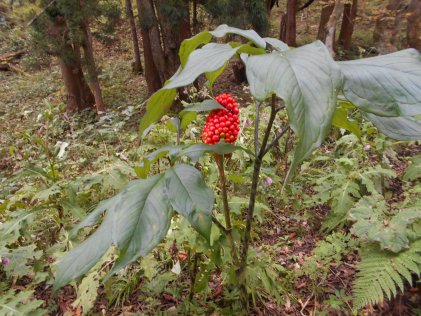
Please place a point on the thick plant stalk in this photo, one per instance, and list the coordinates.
(228, 226)
(250, 211)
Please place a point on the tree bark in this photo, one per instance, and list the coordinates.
(331, 27)
(92, 70)
(288, 32)
(153, 79)
(137, 67)
(348, 21)
(414, 24)
(387, 31)
(324, 18)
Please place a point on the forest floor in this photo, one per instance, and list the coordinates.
(288, 236)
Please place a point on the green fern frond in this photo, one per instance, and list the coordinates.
(381, 273)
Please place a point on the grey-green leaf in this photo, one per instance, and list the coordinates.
(204, 106)
(308, 81)
(136, 220)
(206, 59)
(224, 29)
(189, 196)
(194, 152)
(400, 128)
(388, 85)
(277, 44)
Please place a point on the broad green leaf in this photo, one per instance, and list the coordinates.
(187, 118)
(136, 220)
(388, 85)
(277, 44)
(173, 124)
(172, 150)
(212, 76)
(251, 35)
(247, 49)
(308, 81)
(158, 105)
(400, 128)
(340, 119)
(194, 152)
(204, 106)
(190, 44)
(142, 221)
(189, 196)
(209, 58)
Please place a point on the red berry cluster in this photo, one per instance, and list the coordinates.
(222, 124)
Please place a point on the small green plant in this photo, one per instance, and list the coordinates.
(305, 83)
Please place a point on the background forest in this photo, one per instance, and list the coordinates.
(343, 237)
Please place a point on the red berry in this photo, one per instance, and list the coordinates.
(222, 123)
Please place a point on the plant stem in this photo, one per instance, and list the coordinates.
(193, 273)
(228, 227)
(250, 211)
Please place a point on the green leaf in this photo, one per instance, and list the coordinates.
(373, 225)
(194, 152)
(189, 196)
(204, 106)
(388, 85)
(308, 81)
(212, 76)
(187, 119)
(19, 259)
(136, 220)
(158, 105)
(190, 44)
(19, 303)
(400, 128)
(413, 171)
(251, 35)
(173, 124)
(340, 120)
(277, 44)
(209, 58)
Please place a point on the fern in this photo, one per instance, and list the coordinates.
(382, 273)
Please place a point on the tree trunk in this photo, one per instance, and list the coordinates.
(92, 70)
(153, 79)
(324, 18)
(149, 24)
(288, 29)
(137, 68)
(414, 24)
(331, 27)
(194, 16)
(386, 36)
(348, 21)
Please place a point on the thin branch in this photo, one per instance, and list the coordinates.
(39, 14)
(276, 139)
(256, 130)
(305, 5)
(272, 117)
(219, 224)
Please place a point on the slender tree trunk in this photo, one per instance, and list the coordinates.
(173, 33)
(348, 21)
(331, 27)
(78, 94)
(92, 70)
(137, 61)
(414, 24)
(195, 17)
(288, 32)
(149, 24)
(152, 76)
(324, 18)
